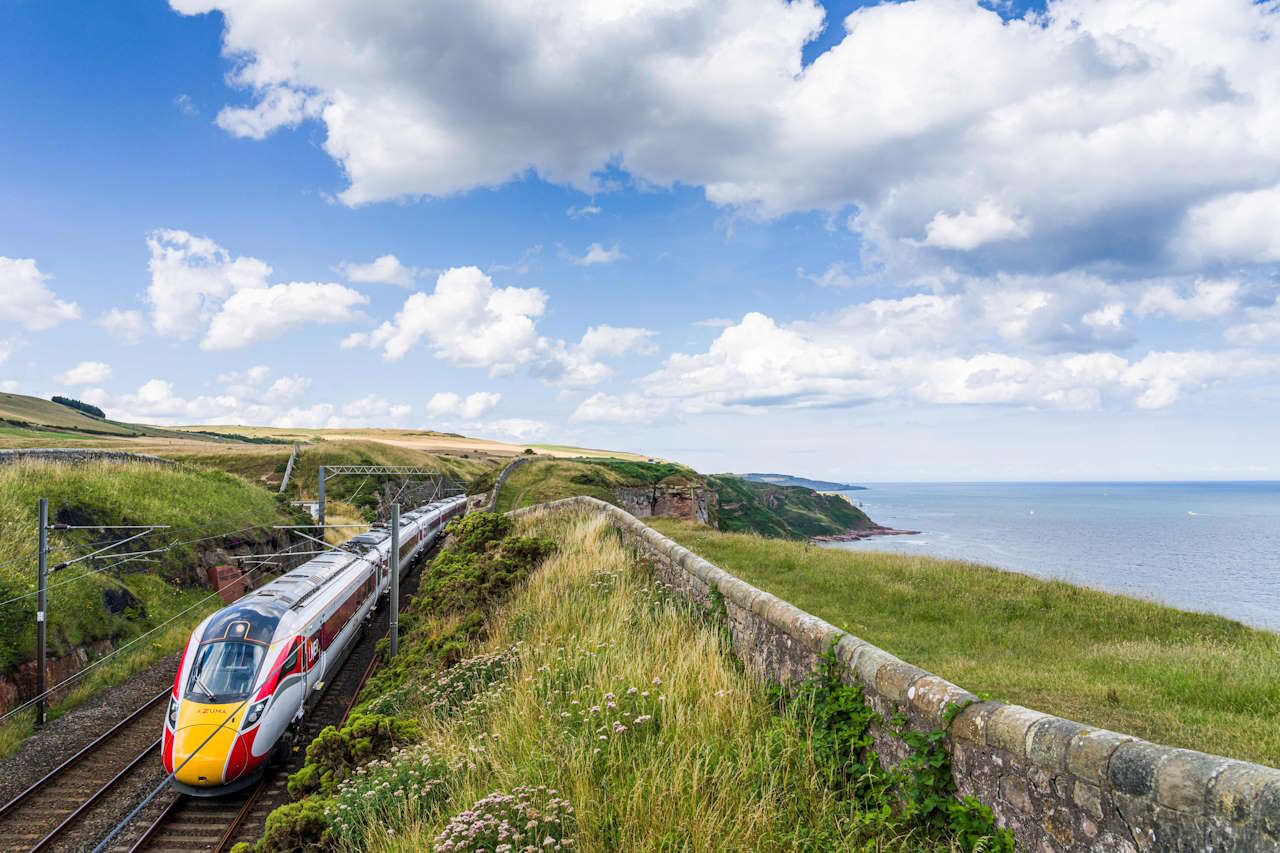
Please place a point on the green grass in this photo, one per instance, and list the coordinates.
(195, 502)
(552, 479)
(622, 701)
(1183, 679)
(784, 512)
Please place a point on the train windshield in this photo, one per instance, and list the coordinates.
(224, 671)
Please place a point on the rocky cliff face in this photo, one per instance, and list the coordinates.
(685, 501)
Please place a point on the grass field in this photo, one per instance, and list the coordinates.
(90, 601)
(552, 479)
(613, 713)
(1173, 677)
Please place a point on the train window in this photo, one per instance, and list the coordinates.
(224, 671)
(291, 663)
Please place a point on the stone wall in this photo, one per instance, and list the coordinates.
(692, 502)
(502, 478)
(1057, 784)
(77, 455)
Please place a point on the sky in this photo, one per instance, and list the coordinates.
(920, 240)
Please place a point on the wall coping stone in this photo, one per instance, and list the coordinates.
(1163, 797)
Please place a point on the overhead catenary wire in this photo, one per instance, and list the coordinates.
(117, 651)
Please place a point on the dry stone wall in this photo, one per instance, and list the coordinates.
(1057, 784)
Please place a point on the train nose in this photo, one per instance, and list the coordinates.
(205, 743)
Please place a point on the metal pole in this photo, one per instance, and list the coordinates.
(320, 509)
(393, 616)
(41, 573)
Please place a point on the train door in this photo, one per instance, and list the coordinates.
(315, 667)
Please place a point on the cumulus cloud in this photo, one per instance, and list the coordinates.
(580, 212)
(25, 299)
(1208, 299)
(964, 231)
(1241, 227)
(86, 373)
(1260, 326)
(447, 404)
(385, 269)
(127, 327)
(620, 408)
(596, 254)
(613, 341)
(908, 349)
(469, 322)
(258, 314)
(197, 285)
(1074, 119)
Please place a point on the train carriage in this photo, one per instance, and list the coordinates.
(251, 671)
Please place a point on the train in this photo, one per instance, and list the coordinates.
(252, 671)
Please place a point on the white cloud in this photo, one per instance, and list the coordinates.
(385, 269)
(1209, 299)
(625, 408)
(288, 388)
(1241, 227)
(1087, 119)
(835, 275)
(1260, 326)
(86, 373)
(909, 349)
(277, 107)
(596, 254)
(127, 327)
(714, 323)
(253, 315)
(447, 404)
(27, 301)
(196, 284)
(579, 212)
(965, 231)
(185, 105)
(7, 348)
(190, 277)
(371, 410)
(516, 429)
(613, 341)
(467, 321)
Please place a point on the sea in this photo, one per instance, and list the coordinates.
(1212, 547)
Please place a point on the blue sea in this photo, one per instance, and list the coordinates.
(1213, 547)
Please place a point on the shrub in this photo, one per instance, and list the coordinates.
(296, 828)
(335, 753)
(525, 819)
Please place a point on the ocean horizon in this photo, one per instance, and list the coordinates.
(1207, 545)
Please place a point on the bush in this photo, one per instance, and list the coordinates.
(296, 828)
(335, 753)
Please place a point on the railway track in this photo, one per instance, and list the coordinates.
(84, 787)
(186, 823)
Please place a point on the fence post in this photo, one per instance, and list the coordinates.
(41, 573)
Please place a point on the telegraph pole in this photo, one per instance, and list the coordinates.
(41, 574)
(320, 508)
(393, 616)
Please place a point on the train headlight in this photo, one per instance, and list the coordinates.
(173, 713)
(255, 713)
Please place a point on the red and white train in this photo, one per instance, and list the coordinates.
(252, 670)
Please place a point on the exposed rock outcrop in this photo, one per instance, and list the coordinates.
(667, 501)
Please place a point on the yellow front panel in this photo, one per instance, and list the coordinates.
(196, 723)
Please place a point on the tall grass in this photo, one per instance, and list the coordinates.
(1170, 676)
(623, 703)
(146, 594)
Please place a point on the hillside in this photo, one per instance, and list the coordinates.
(803, 482)
(731, 503)
(549, 695)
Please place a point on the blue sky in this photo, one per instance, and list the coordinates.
(923, 240)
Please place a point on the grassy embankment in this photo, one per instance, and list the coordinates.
(1170, 676)
(770, 510)
(609, 712)
(88, 602)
